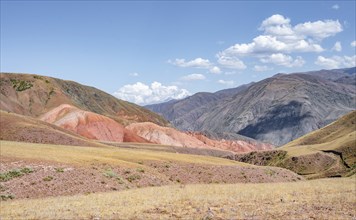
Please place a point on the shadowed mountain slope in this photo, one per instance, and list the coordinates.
(275, 110)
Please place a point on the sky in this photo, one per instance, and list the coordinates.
(153, 51)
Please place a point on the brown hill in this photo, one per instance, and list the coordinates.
(327, 152)
(21, 128)
(89, 124)
(171, 136)
(34, 95)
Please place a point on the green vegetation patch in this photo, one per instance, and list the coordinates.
(6, 176)
(20, 85)
(6, 197)
(48, 178)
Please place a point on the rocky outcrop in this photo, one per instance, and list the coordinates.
(171, 136)
(89, 124)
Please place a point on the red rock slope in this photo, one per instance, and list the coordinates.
(20, 128)
(89, 124)
(171, 136)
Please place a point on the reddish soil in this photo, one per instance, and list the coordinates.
(171, 136)
(20, 128)
(89, 124)
(232, 145)
(55, 179)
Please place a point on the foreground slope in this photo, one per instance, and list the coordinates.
(41, 170)
(316, 199)
(276, 110)
(34, 95)
(327, 152)
(338, 137)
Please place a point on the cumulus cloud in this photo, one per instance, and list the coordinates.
(336, 7)
(215, 70)
(275, 20)
(196, 63)
(194, 76)
(336, 61)
(337, 46)
(226, 82)
(353, 43)
(230, 62)
(259, 68)
(281, 37)
(143, 94)
(319, 29)
(283, 60)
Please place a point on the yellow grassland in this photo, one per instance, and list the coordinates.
(111, 155)
(315, 199)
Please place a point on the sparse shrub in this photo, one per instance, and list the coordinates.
(47, 81)
(26, 170)
(120, 180)
(133, 177)
(22, 86)
(2, 188)
(38, 77)
(59, 170)
(141, 170)
(110, 174)
(127, 172)
(270, 172)
(140, 162)
(48, 178)
(7, 197)
(9, 175)
(167, 166)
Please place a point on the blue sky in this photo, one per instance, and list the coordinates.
(151, 51)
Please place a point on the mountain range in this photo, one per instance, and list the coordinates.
(40, 109)
(275, 110)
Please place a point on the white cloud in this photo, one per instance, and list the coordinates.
(259, 68)
(226, 82)
(319, 29)
(143, 94)
(196, 63)
(279, 36)
(230, 62)
(336, 7)
(215, 70)
(336, 61)
(283, 60)
(353, 43)
(275, 20)
(194, 76)
(337, 46)
(134, 74)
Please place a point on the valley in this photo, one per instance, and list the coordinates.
(61, 149)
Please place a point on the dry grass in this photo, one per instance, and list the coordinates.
(110, 155)
(298, 150)
(320, 199)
